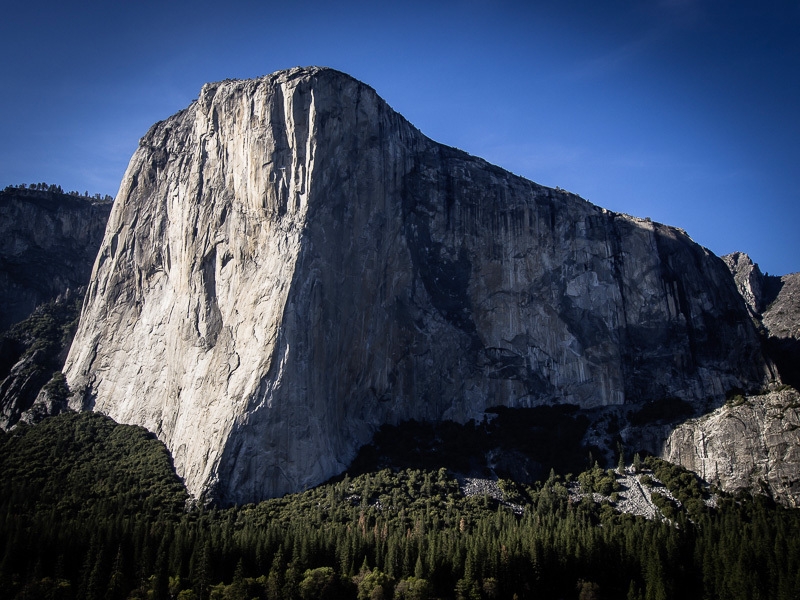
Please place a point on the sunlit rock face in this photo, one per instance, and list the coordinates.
(290, 264)
(750, 444)
(749, 280)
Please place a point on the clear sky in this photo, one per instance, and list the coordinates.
(685, 111)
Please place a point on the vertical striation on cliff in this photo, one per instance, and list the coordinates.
(290, 264)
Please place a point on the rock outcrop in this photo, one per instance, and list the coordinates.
(749, 280)
(289, 264)
(781, 320)
(774, 303)
(32, 354)
(781, 317)
(752, 443)
(48, 243)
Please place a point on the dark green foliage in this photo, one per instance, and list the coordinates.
(81, 464)
(683, 484)
(57, 387)
(637, 463)
(667, 507)
(598, 480)
(91, 509)
(37, 347)
(49, 328)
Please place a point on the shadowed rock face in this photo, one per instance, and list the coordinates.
(290, 264)
(48, 243)
(774, 303)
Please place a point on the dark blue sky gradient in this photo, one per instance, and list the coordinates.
(685, 111)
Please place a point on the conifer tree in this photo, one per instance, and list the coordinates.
(275, 578)
(117, 586)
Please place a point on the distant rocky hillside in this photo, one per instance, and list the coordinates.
(774, 303)
(290, 264)
(48, 243)
(753, 442)
(781, 319)
(32, 353)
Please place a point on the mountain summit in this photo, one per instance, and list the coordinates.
(290, 264)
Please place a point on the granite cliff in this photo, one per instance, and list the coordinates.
(774, 304)
(753, 442)
(48, 243)
(290, 264)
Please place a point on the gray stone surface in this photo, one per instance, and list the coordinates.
(633, 497)
(48, 243)
(289, 264)
(772, 299)
(20, 387)
(753, 443)
(749, 280)
(781, 317)
(774, 304)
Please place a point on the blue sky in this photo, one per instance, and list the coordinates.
(685, 111)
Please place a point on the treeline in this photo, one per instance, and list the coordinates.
(92, 509)
(57, 189)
